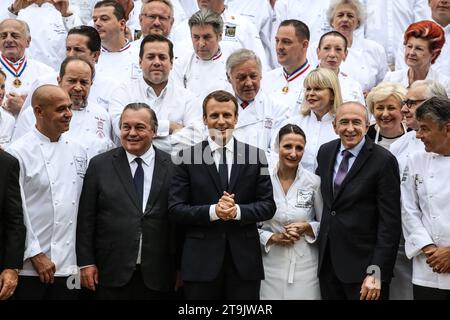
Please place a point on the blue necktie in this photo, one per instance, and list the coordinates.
(342, 171)
(223, 169)
(138, 181)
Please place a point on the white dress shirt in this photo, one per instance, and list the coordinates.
(51, 177)
(216, 153)
(173, 104)
(274, 84)
(354, 151)
(148, 165)
(291, 271)
(7, 122)
(425, 214)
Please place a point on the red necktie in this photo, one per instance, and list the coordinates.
(244, 104)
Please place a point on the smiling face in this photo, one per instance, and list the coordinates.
(245, 80)
(220, 118)
(388, 115)
(136, 131)
(156, 18)
(292, 147)
(13, 39)
(350, 124)
(319, 100)
(436, 138)
(415, 97)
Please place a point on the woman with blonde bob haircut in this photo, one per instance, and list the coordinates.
(385, 102)
(322, 97)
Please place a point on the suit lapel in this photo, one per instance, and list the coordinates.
(122, 167)
(159, 174)
(211, 166)
(238, 161)
(362, 157)
(330, 166)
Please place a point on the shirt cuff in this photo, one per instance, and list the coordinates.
(87, 266)
(238, 213)
(264, 237)
(212, 213)
(163, 128)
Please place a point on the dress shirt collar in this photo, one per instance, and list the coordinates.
(151, 93)
(356, 149)
(147, 157)
(214, 146)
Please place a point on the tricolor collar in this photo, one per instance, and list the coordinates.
(297, 73)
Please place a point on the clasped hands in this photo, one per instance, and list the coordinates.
(226, 207)
(438, 258)
(293, 232)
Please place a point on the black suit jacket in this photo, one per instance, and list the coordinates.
(361, 224)
(110, 223)
(12, 229)
(196, 186)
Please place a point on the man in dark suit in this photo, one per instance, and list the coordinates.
(360, 226)
(12, 229)
(125, 243)
(219, 203)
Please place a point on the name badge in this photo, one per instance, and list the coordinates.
(230, 30)
(268, 123)
(305, 198)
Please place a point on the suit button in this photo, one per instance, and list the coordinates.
(333, 213)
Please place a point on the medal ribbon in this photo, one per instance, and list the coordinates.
(16, 72)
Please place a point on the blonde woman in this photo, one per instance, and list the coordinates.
(322, 97)
(385, 103)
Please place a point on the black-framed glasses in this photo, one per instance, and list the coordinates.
(410, 103)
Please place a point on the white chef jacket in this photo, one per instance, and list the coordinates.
(202, 77)
(291, 271)
(401, 76)
(173, 104)
(7, 122)
(90, 128)
(350, 89)
(258, 122)
(51, 177)
(274, 81)
(366, 62)
(123, 64)
(442, 63)
(404, 147)
(31, 71)
(261, 14)
(387, 21)
(48, 32)
(317, 133)
(238, 32)
(426, 214)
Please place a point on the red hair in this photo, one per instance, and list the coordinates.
(427, 30)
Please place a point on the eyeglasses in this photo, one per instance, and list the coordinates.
(153, 17)
(412, 103)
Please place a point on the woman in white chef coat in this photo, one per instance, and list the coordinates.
(423, 42)
(366, 61)
(331, 52)
(385, 102)
(290, 256)
(322, 98)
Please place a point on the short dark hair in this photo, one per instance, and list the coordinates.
(3, 73)
(118, 11)
(156, 38)
(66, 61)
(301, 29)
(435, 108)
(220, 96)
(333, 33)
(136, 106)
(290, 128)
(94, 41)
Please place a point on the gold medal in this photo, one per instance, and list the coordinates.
(17, 83)
(285, 89)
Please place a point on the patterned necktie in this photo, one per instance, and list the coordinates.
(223, 169)
(138, 181)
(244, 104)
(342, 171)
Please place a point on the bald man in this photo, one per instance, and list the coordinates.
(52, 169)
